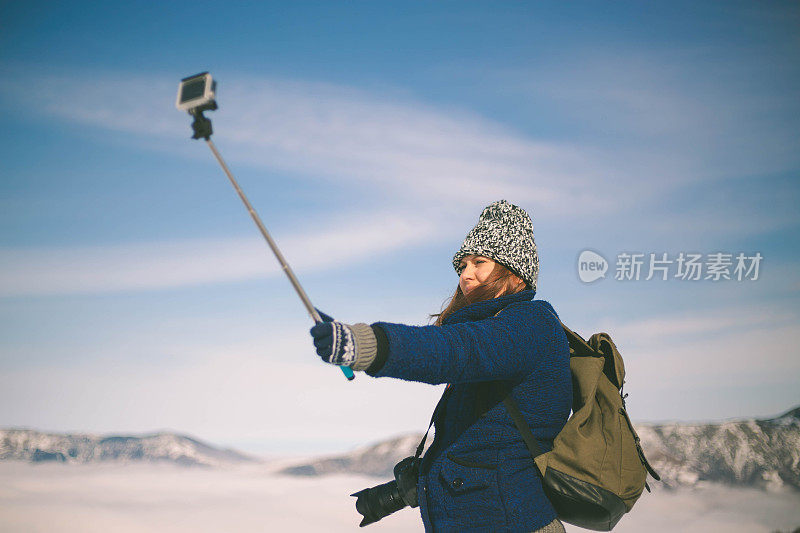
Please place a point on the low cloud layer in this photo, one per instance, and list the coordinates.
(65, 498)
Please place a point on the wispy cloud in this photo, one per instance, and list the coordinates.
(661, 123)
(714, 347)
(693, 113)
(737, 374)
(158, 265)
(416, 152)
(660, 329)
(653, 132)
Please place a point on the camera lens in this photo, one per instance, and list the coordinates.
(379, 501)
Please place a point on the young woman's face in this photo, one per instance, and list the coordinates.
(477, 270)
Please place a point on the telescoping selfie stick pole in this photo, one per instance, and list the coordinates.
(202, 130)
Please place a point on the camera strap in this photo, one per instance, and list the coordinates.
(439, 406)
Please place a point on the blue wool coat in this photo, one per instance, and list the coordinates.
(478, 475)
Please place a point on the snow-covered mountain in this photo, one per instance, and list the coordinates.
(374, 460)
(35, 446)
(747, 453)
(750, 453)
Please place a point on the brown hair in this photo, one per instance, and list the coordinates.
(501, 282)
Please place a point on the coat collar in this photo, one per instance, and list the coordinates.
(487, 308)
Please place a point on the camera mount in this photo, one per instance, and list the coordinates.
(201, 125)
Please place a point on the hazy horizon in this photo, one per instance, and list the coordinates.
(306, 449)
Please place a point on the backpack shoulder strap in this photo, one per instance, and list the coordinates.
(577, 347)
(522, 425)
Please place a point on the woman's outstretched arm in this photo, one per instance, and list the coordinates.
(505, 346)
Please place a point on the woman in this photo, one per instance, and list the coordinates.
(478, 475)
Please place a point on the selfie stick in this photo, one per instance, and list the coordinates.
(202, 130)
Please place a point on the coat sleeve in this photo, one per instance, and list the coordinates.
(501, 347)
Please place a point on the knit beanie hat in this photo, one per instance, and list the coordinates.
(504, 233)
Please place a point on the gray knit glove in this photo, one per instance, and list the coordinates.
(343, 344)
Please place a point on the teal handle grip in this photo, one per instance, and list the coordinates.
(348, 373)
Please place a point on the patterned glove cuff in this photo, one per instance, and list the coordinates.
(366, 346)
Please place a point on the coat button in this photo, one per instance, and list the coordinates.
(458, 483)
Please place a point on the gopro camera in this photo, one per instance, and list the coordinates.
(197, 91)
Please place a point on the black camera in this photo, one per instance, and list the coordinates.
(382, 500)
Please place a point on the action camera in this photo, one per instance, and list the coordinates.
(196, 91)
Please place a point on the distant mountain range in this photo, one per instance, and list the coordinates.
(749, 453)
(753, 453)
(35, 446)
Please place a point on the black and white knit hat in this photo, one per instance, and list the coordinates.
(504, 233)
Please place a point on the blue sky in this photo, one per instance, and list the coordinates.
(136, 294)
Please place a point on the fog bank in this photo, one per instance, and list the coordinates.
(61, 498)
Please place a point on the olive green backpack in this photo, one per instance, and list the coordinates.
(596, 470)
